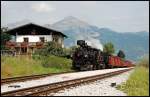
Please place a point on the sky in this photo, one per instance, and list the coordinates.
(121, 16)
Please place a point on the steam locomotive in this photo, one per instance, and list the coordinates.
(87, 58)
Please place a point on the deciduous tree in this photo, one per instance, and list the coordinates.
(109, 48)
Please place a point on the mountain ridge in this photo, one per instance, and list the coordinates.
(78, 29)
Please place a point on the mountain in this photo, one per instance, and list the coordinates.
(76, 29)
(134, 44)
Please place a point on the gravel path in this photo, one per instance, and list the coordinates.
(98, 88)
(54, 79)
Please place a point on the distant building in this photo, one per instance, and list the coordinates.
(28, 37)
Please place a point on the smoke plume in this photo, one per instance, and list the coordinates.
(91, 39)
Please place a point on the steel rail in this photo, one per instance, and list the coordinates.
(26, 78)
(49, 89)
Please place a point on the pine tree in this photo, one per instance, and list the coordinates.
(121, 54)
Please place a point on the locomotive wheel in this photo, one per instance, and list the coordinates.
(103, 66)
(111, 66)
(89, 66)
(82, 68)
(99, 67)
(94, 68)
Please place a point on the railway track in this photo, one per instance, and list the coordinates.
(49, 89)
(26, 78)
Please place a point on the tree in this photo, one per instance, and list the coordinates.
(4, 37)
(121, 54)
(109, 48)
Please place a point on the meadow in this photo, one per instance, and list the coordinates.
(23, 65)
(138, 82)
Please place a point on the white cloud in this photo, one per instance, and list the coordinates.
(42, 7)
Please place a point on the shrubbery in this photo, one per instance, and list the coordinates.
(4, 37)
(53, 48)
(48, 54)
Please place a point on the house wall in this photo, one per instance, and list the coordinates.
(33, 38)
(36, 38)
(61, 41)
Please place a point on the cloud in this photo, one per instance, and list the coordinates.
(42, 7)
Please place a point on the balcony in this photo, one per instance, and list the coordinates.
(10, 44)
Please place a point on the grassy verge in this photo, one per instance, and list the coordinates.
(138, 83)
(22, 66)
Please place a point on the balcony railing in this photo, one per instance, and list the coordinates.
(10, 44)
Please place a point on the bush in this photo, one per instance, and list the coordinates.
(55, 62)
(51, 48)
(4, 37)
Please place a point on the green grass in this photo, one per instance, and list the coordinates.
(23, 65)
(138, 83)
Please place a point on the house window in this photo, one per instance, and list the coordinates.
(42, 39)
(26, 39)
(55, 38)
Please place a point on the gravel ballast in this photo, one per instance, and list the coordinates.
(104, 87)
(54, 79)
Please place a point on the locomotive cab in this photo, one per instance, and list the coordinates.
(80, 42)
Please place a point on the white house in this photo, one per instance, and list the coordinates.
(31, 36)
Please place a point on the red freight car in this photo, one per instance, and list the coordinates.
(115, 61)
(128, 63)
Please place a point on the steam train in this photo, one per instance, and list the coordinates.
(87, 58)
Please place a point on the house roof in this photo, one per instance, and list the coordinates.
(32, 24)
